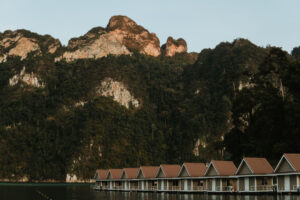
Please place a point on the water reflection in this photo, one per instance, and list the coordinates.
(71, 192)
(166, 196)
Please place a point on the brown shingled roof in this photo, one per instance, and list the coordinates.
(102, 173)
(259, 165)
(170, 171)
(131, 173)
(115, 173)
(224, 168)
(195, 169)
(149, 171)
(294, 159)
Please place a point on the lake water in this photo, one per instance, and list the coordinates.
(85, 192)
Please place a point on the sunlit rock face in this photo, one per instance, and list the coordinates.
(174, 46)
(121, 36)
(15, 44)
(119, 92)
(27, 78)
(133, 36)
(21, 43)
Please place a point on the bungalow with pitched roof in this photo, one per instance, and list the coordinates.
(113, 176)
(192, 177)
(220, 176)
(100, 177)
(146, 176)
(128, 178)
(167, 177)
(255, 175)
(288, 173)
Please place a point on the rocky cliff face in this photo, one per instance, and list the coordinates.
(21, 43)
(119, 92)
(121, 36)
(27, 78)
(133, 36)
(174, 46)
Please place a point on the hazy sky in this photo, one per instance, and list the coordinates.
(202, 23)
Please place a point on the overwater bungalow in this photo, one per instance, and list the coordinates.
(100, 178)
(167, 177)
(113, 176)
(128, 178)
(288, 173)
(192, 177)
(255, 175)
(220, 176)
(146, 176)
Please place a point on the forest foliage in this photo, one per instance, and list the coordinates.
(235, 100)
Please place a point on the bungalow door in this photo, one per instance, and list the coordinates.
(213, 184)
(189, 183)
(185, 184)
(159, 184)
(246, 184)
(209, 184)
(293, 182)
(147, 185)
(181, 184)
(280, 183)
(241, 182)
(286, 183)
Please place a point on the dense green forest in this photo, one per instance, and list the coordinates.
(235, 100)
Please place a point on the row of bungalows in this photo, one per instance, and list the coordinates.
(253, 175)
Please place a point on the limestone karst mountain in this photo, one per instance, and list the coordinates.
(22, 42)
(174, 46)
(121, 36)
(149, 104)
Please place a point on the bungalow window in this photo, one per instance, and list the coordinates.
(175, 183)
(228, 182)
(154, 183)
(118, 183)
(264, 181)
(200, 182)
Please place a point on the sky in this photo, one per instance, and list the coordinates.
(202, 23)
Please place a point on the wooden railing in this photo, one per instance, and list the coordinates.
(296, 188)
(153, 188)
(174, 188)
(198, 188)
(134, 187)
(260, 188)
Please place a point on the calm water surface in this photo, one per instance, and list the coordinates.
(85, 192)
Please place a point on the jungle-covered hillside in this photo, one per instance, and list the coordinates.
(73, 116)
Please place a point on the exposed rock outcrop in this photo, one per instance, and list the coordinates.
(21, 43)
(121, 36)
(28, 78)
(134, 36)
(174, 46)
(118, 91)
(243, 84)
